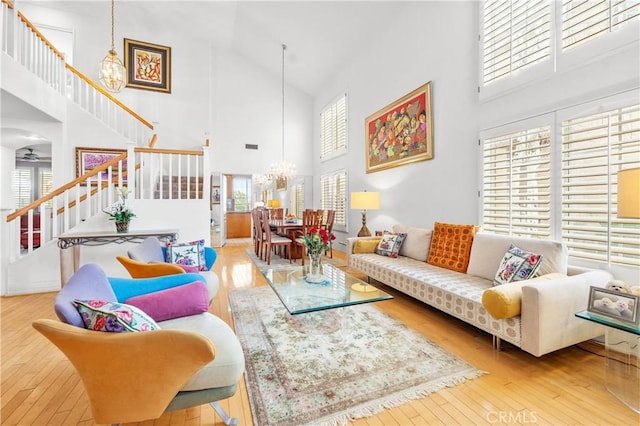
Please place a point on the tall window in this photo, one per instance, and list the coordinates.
(333, 189)
(585, 20)
(333, 128)
(516, 34)
(594, 148)
(517, 183)
(241, 192)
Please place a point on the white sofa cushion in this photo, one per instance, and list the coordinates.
(228, 365)
(488, 250)
(416, 244)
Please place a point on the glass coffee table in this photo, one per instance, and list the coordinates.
(339, 289)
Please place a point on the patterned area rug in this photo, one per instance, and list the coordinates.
(332, 366)
(277, 261)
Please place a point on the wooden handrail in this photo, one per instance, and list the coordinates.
(69, 185)
(83, 197)
(153, 140)
(109, 95)
(8, 3)
(40, 35)
(167, 151)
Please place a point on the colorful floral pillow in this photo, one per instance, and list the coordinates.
(100, 315)
(517, 265)
(187, 254)
(390, 244)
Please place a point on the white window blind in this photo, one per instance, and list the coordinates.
(333, 127)
(594, 148)
(516, 34)
(46, 185)
(585, 20)
(298, 199)
(333, 189)
(517, 183)
(22, 186)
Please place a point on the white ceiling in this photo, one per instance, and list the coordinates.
(320, 35)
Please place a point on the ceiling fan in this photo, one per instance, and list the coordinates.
(31, 156)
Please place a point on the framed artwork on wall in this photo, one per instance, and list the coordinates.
(401, 132)
(148, 66)
(281, 184)
(88, 159)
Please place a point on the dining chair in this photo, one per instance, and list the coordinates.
(309, 221)
(328, 226)
(272, 240)
(256, 223)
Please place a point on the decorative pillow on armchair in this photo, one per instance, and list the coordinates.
(189, 254)
(390, 244)
(100, 315)
(176, 302)
(517, 265)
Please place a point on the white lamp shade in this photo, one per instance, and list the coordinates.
(365, 200)
(629, 193)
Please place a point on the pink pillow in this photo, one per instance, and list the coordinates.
(175, 302)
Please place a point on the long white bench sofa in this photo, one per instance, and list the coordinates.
(543, 320)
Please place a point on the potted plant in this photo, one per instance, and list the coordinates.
(120, 212)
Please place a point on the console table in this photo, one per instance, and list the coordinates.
(76, 239)
(622, 362)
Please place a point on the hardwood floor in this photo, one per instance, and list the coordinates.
(40, 387)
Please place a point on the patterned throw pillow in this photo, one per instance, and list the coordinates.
(517, 265)
(451, 246)
(100, 315)
(188, 254)
(390, 244)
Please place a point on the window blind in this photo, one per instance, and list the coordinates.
(516, 34)
(22, 186)
(333, 189)
(46, 184)
(594, 148)
(517, 183)
(333, 127)
(298, 199)
(585, 20)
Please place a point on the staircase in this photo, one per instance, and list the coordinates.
(154, 176)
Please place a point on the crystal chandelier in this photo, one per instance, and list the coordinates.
(110, 69)
(283, 169)
(262, 180)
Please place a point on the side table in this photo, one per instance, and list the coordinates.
(622, 362)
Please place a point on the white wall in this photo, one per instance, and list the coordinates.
(416, 46)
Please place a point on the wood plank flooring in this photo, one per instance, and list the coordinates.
(40, 387)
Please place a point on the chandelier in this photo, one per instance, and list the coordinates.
(110, 69)
(262, 180)
(283, 169)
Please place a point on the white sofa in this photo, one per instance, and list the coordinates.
(546, 321)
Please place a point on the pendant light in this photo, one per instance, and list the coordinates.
(283, 169)
(110, 69)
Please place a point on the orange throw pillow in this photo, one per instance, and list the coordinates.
(451, 246)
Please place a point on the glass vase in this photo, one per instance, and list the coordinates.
(315, 270)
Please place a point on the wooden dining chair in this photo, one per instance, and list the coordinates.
(272, 240)
(309, 220)
(258, 233)
(328, 226)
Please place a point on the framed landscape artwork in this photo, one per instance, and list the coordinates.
(401, 132)
(148, 66)
(88, 159)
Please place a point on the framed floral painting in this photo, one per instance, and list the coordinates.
(401, 132)
(88, 159)
(148, 66)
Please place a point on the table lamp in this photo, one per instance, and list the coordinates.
(365, 201)
(629, 193)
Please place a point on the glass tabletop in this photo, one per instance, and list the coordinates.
(338, 290)
(610, 322)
